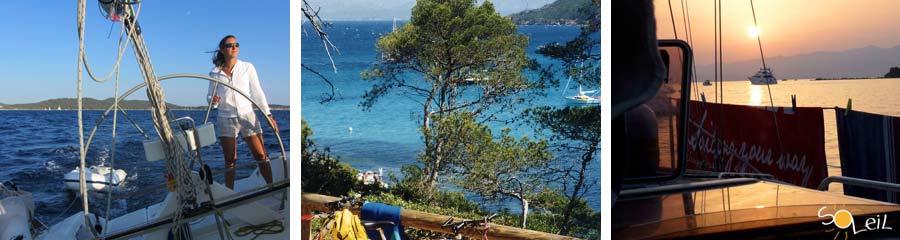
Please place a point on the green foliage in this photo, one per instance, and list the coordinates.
(574, 130)
(456, 205)
(581, 55)
(444, 43)
(429, 60)
(554, 204)
(323, 174)
(558, 12)
(495, 168)
(569, 123)
(409, 187)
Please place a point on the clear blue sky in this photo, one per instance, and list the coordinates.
(389, 9)
(39, 47)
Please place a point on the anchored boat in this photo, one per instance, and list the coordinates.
(99, 178)
(583, 98)
(762, 77)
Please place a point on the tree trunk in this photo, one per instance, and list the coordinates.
(567, 215)
(430, 167)
(432, 179)
(524, 211)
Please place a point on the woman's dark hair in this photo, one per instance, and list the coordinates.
(219, 59)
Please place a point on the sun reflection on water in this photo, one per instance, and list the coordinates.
(755, 92)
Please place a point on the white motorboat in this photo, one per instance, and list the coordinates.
(762, 77)
(99, 178)
(583, 98)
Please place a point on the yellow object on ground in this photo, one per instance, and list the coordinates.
(347, 226)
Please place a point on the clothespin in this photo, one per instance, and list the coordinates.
(849, 106)
(794, 102)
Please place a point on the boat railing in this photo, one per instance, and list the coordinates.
(859, 182)
(276, 187)
(743, 174)
(646, 192)
(425, 221)
(693, 173)
(256, 106)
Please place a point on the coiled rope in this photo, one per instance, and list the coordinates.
(273, 227)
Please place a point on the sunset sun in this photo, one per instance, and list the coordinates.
(753, 31)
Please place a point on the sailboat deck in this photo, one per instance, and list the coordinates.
(757, 205)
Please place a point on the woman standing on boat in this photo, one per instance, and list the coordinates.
(235, 113)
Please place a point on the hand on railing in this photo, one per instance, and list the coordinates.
(274, 123)
(215, 100)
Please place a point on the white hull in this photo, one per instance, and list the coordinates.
(260, 211)
(762, 81)
(762, 77)
(582, 100)
(97, 177)
(15, 216)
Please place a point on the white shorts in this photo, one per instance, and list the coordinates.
(245, 124)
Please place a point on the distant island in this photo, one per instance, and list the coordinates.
(94, 104)
(561, 12)
(893, 73)
(845, 78)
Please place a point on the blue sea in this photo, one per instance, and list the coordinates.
(39, 147)
(387, 136)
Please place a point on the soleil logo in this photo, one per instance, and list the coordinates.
(842, 219)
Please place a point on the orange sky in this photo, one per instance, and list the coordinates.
(788, 27)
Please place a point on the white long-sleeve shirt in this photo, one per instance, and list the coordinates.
(244, 78)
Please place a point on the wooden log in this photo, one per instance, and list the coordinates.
(432, 222)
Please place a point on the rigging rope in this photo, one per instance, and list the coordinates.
(672, 15)
(690, 38)
(112, 162)
(720, 87)
(175, 163)
(768, 87)
(174, 158)
(81, 151)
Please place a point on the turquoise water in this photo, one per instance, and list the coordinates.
(387, 136)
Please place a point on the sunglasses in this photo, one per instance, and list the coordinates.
(230, 45)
